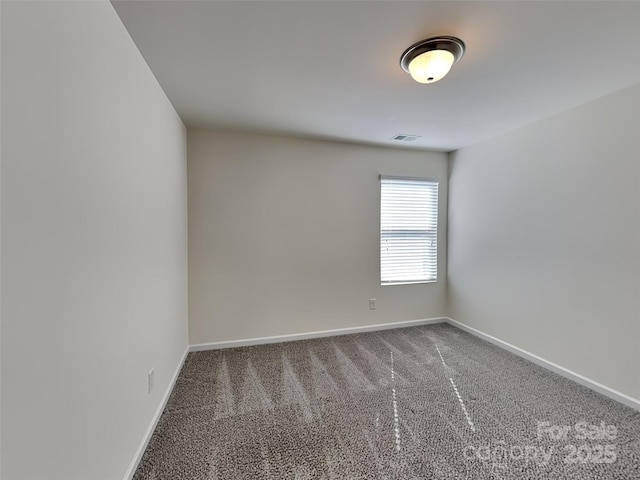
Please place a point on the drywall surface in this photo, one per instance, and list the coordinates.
(0, 249)
(284, 236)
(94, 242)
(544, 239)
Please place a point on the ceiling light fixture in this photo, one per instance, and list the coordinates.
(430, 60)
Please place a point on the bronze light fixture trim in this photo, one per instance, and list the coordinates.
(430, 60)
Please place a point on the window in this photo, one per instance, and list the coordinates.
(408, 230)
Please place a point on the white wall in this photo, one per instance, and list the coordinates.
(284, 236)
(0, 247)
(544, 239)
(94, 262)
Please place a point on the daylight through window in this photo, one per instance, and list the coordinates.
(408, 230)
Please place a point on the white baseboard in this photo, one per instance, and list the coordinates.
(154, 421)
(582, 380)
(309, 335)
(576, 377)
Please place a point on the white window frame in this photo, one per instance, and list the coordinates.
(414, 257)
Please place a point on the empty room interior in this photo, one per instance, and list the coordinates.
(320, 240)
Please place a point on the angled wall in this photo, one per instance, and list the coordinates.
(94, 242)
(544, 239)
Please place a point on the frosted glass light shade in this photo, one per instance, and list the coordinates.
(430, 60)
(431, 66)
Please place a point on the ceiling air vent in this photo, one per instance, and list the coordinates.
(403, 137)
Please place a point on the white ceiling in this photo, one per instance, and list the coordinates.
(330, 69)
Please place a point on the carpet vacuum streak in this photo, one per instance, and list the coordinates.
(429, 402)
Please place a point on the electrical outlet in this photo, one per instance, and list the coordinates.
(372, 304)
(151, 380)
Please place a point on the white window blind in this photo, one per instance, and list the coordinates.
(408, 230)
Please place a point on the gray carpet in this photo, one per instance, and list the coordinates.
(429, 402)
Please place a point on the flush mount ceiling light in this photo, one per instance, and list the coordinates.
(430, 60)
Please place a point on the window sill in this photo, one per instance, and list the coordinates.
(408, 283)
